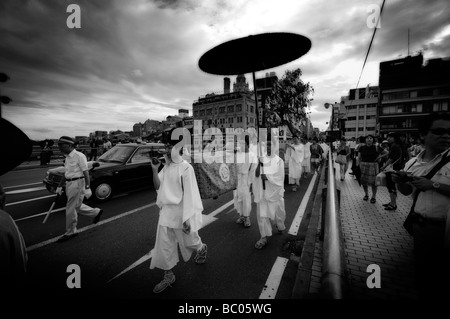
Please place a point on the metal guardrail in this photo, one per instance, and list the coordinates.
(334, 279)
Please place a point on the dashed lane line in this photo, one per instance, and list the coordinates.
(293, 230)
(274, 279)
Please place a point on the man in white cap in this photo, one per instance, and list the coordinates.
(76, 178)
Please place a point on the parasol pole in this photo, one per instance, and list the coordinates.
(257, 127)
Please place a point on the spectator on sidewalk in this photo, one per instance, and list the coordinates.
(325, 148)
(431, 225)
(268, 189)
(77, 186)
(180, 217)
(343, 149)
(295, 156)
(94, 149)
(394, 158)
(367, 155)
(13, 254)
(316, 155)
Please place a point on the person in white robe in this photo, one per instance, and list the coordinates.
(180, 217)
(306, 164)
(268, 189)
(295, 155)
(246, 164)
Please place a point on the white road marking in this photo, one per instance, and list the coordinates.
(30, 200)
(301, 209)
(26, 190)
(274, 279)
(207, 219)
(220, 209)
(52, 240)
(40, 214)
(135, 264)
(16, 186)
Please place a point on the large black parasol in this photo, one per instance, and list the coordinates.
(254, 53)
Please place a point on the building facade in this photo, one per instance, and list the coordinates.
(361, 112)
(411, 89)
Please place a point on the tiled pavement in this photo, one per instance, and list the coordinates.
(372, 235)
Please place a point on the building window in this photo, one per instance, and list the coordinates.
(239, 108)
(221, 109)
(371, 117)
(416, 108)
(361, 117)
(230, 120)
(438, 107)
(351, 118)
(370, 128)
(251, 108)
(209, 112)
(231, 109)
(360, 129)
(413, 94)
(202, 112)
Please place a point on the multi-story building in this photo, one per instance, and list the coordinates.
(228, 109)
(410, 90)
(263, 89)
(361, 112)
(138, 129)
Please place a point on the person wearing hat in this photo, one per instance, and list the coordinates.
(13, 254)
(76, 179)
(180, 217)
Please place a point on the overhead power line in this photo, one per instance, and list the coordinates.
(371, 41)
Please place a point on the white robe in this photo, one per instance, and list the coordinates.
(273, 194)
(246, 164)
(179, 200)
(296, 157)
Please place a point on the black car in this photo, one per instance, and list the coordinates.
(124, 167)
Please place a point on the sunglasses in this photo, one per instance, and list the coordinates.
(440, 131)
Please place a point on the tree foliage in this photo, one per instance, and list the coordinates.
(286, 103)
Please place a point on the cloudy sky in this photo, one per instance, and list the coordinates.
(136, 60)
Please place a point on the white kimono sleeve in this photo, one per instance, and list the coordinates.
(192, 202)
(278, 177)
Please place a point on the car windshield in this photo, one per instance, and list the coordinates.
(116, 155)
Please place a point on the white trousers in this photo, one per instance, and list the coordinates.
(165, 254)
(75, 206)
(265, 223)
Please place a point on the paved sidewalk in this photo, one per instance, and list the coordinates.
(372, 235)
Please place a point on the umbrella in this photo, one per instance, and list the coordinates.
(254, 53)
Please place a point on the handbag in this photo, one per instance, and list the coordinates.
(408, 223)
(380, 179)
(341, 159)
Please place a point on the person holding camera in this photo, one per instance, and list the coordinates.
(427, 178)
(76, 179)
